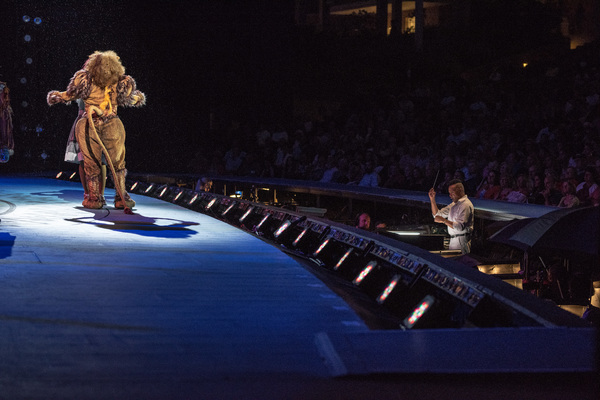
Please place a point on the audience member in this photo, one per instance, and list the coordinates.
(341, 175)
(442, 187)
(363, 221)
(569, 198)
(551, 194)
(459, 175)
(370, 178)
(330, 170)
(570, 175)
(233, 159)
(395, 179)
(506, 186)
(535, 194)
(587, 191)
(490, 188)
(416, 180)
(203, 185)
(520, 192)
(355, 173)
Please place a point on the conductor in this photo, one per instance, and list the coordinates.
(457, 216)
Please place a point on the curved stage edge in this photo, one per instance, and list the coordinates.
(174, 303)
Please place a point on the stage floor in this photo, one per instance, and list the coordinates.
(172, 304)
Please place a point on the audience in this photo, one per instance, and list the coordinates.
(539, 133)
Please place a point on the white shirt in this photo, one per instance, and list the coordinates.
(370, 180)
(461, 214)
(591, 190)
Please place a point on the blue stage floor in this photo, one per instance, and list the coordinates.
(172, 304)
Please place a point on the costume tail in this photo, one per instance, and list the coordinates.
(96, 110)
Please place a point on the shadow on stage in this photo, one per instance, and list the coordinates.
(136, 224)
(7, 241)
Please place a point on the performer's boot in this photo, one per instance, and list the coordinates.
(92, 200)
(119, 181)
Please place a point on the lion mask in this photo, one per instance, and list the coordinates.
(105, 68)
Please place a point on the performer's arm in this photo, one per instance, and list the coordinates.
(434, 207)
(127, 93)
(79, 87)
(439, 216)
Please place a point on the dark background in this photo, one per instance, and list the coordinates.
(191, 59)
(215, 70)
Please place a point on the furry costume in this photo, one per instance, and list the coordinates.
(7, 143)
(103, 86)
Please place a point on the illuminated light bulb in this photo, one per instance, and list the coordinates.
(211, 203)
(322, 246)
(193, 199)
(295, 242)
(386, 292)
(263, 221)
(363, 274)
(282, 228)
(339, 263)
(243, 217)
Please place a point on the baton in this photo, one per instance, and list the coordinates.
(436, 178)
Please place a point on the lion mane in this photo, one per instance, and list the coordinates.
(105, 68)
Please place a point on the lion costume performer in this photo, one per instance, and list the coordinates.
(103, 86)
